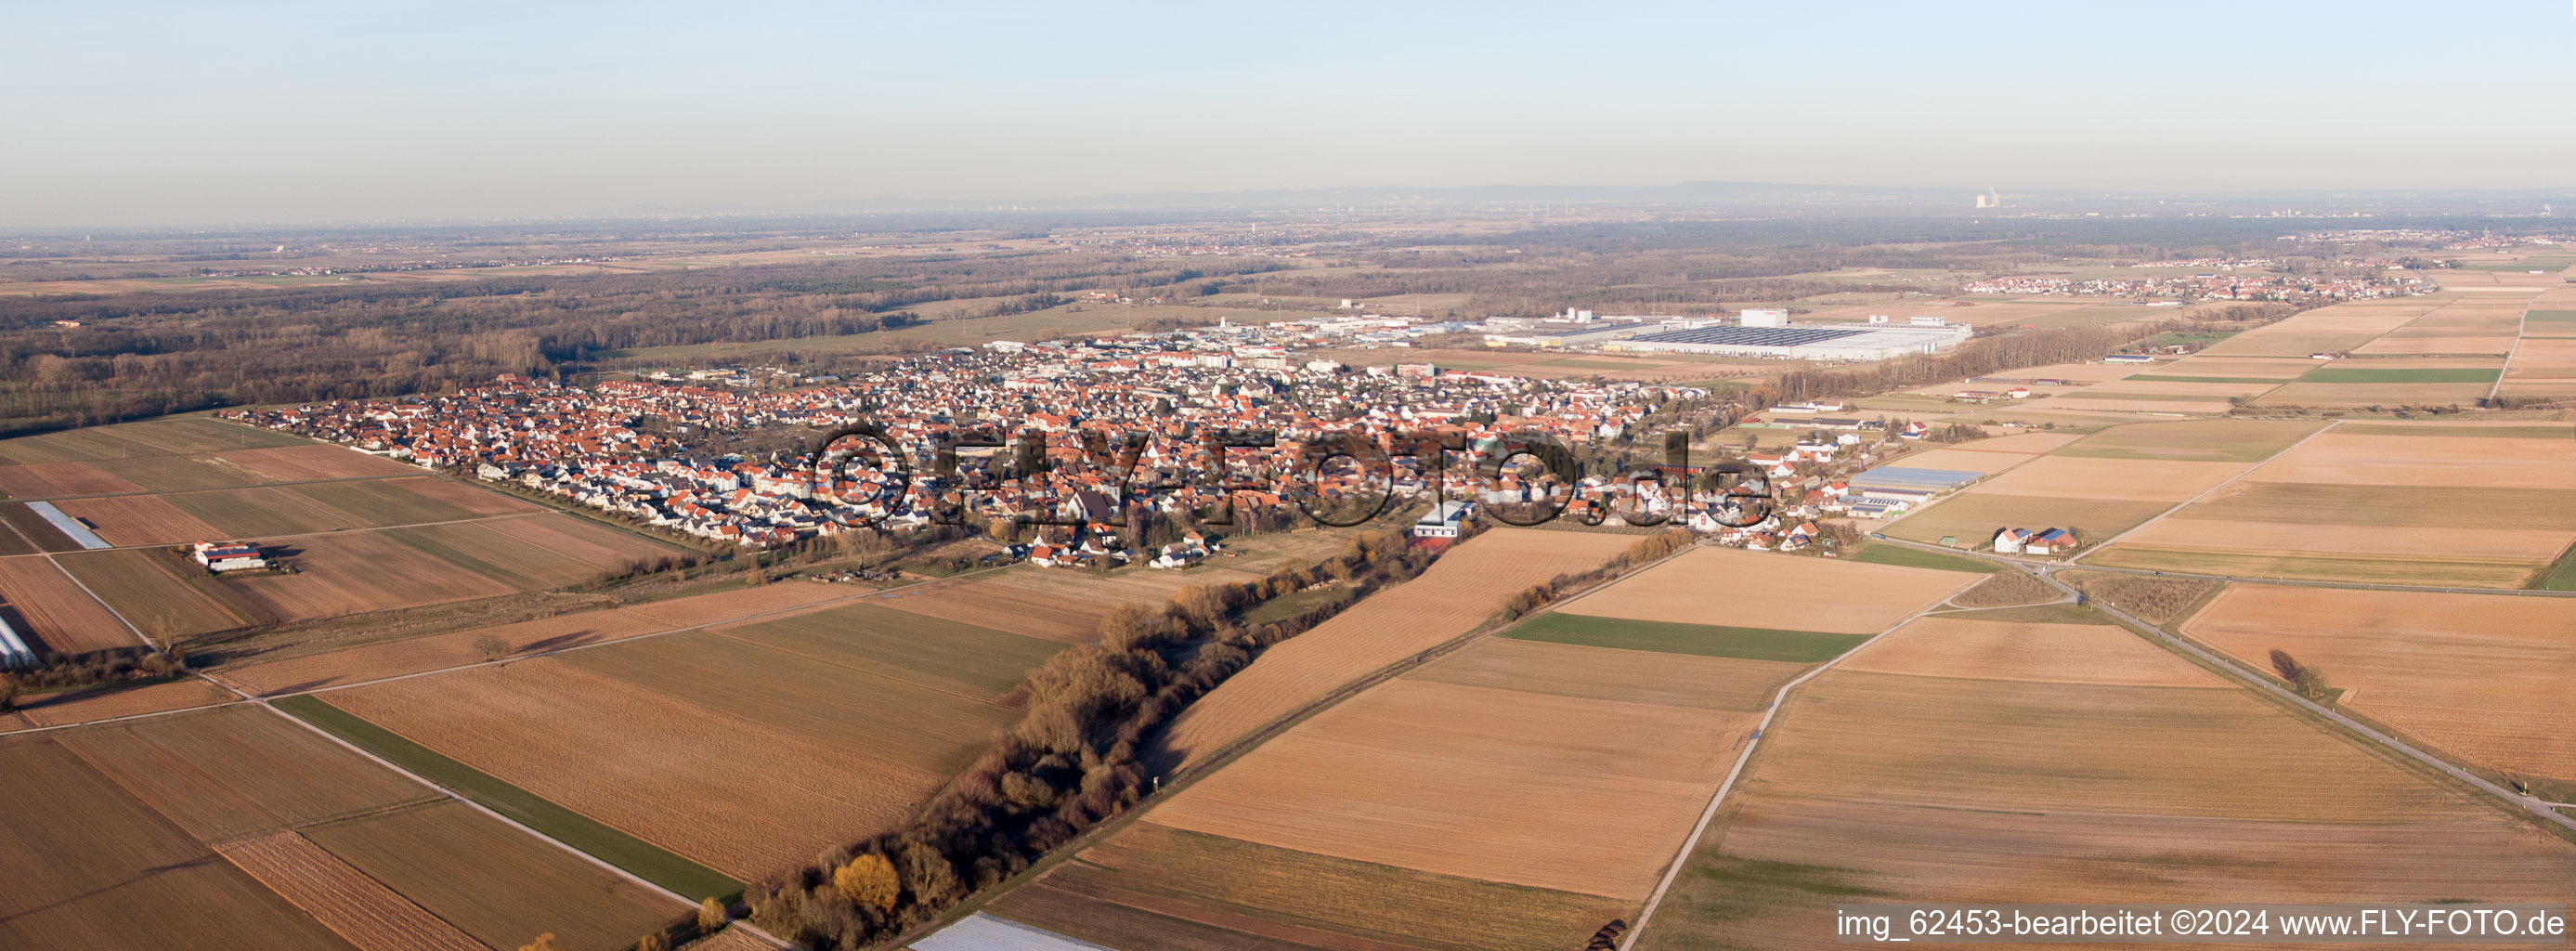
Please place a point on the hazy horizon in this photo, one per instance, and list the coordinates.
(146, 114)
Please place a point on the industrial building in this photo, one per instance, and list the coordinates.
(1567, 335)
(1798, 341)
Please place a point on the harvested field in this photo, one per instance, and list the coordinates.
(2306, 503)
(84, 706)
(1461, 591)
(438, 652)
(1570, 670)
(753, 800)
(914, 648)
(2137, 403)
(2411, 569)
(1701, 640)
(2282, 369)
(2211, 440)
(59, 615)
(238, 771)
(2376, 394)
(2445, 461)
(1958, 789)
(1752, 589)
(55, 479)
(1155, 888)
(883, 714)
(1940, 646)
(1567, 793)
(269, 511)
(33, 529)
(2128, 480)
(1972, 517)
(1003, 606)
(105, 871)
(298, 463)
(1963, 460)
(156, 438)
(494, 882)
(2482, 676)
(350, 572)
(2533, 546)
(131, 520)
(162, 592)
(361, 909)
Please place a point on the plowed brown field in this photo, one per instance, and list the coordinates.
(1569, 793)
(744, 798)
(89, 705)
(2002, 650)
(343, 899)
(1460, 591)
(2485, 676)
(442, 651)
(58, 613)
(1739, 588)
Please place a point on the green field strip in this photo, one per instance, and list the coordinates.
(1704, 640)
(2551, 316)
(2419, 375)
(2562, 577)
(1918, 558)
(645, 860)
(2265, 381)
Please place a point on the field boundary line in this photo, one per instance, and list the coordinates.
(1691, 844)
(2521, 326)
(2179, 506)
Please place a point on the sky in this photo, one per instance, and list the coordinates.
(121, 113)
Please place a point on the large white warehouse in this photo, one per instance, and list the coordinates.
(1800, 341)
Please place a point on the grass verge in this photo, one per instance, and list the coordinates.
(1704, 640)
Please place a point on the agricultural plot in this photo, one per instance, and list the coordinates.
(156, 438)
(1003, 605)
(1705, 640)
(2422, 382)
(2335, 329)
(58, 615)
(381, 860)
(222, 774)
(2482, 325)
(2482, 676)
(86, 706)
(1777, 592)
(949, 656)
(738, 795)
(1460, 591)
(346, 573)
(2390, 502)
(2000, 778)
(361, 909)
(493, 882)
(106, 871)
(1155, 888)
(162, 592)
(1576, 794)
(871, 705)
(1975, 647)
(442, 651)
(1520, 793)
(269, 511)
